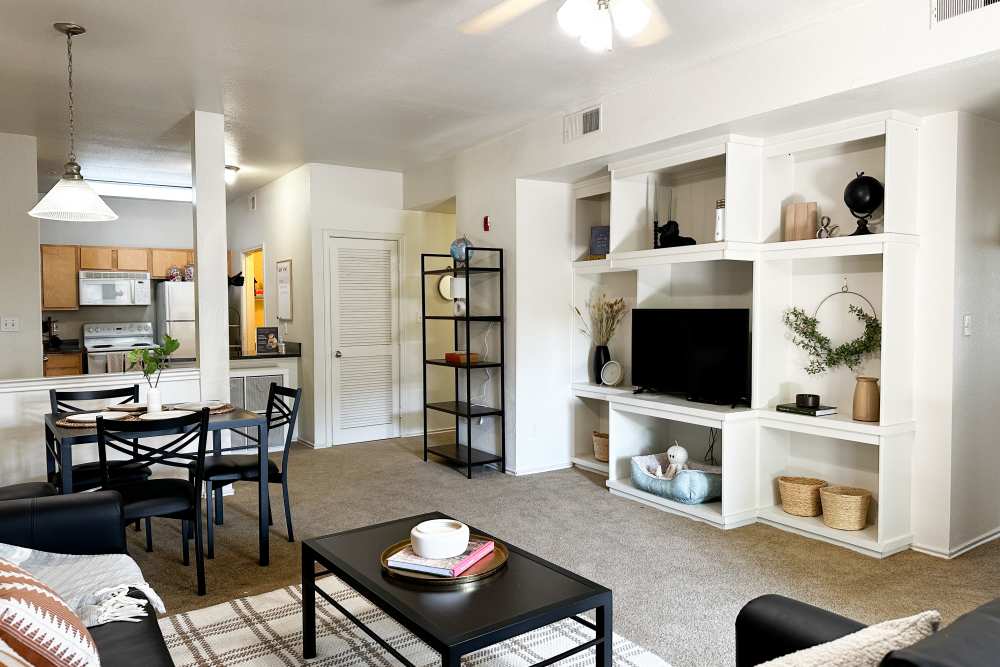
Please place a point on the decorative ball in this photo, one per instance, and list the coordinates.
(864, 195)
(457, 250)
(677, 455)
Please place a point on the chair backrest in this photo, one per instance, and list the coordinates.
(126, 437)
(280, 413)
(59, 400)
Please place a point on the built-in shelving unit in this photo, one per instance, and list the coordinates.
(752, 267)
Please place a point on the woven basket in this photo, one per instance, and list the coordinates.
(601, 446)
(845, 507)
(800, 495)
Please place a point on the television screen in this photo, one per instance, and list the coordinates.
(701, 354)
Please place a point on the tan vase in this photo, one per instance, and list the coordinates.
(866, 400)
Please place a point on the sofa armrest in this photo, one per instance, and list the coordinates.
(76, 523)
(771, 626)
(972, 640)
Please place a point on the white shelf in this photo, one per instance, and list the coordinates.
(601, 392)
(708, 512)
(841, 427)
(864, 541)
(839, 246)
(591, 266)
(705, 252)
(663, 406)
(588, 462)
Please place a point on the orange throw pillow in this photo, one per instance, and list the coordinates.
(38, 625)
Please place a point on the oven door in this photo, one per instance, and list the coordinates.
(105, 292)
(97, 362)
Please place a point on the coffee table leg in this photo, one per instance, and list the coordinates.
(604, 625)
(308, 605)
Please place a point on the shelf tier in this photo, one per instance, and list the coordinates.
(706, 252)
(476, 364)
(588, 462)
(839, 246)
(864, 541)
(462, 409)
(460, 454)
(591, 266)
(665, 406)
(708, 512)
(474, 270)
(841, 427)
(471, 318)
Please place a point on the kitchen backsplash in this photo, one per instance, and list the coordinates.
(70, 322)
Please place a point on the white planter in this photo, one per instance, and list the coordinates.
(153, 401)
(439, 538)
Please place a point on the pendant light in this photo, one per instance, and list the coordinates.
(71, 199)
(591, 20)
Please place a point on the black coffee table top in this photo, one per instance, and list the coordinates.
(526, 588)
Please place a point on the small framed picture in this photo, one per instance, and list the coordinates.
(267, 340)
(600, 240)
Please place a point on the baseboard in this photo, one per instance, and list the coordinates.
(535, 471)
(965, 547)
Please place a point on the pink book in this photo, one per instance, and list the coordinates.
(406, 559)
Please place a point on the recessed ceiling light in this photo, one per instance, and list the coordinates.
(232, 173)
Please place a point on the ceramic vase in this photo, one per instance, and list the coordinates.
(153, 401)
(866, 400)
(602, 355)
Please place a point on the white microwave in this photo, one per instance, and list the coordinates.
(114, 288)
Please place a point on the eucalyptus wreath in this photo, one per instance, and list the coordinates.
(822, 355)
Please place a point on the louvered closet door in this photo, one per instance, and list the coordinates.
(365, 307)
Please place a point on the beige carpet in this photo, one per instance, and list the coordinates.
(678, 584)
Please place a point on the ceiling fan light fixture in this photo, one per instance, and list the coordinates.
(575, 15)
(598, 34)
(630, 16)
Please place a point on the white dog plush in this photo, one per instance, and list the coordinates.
(678, 457)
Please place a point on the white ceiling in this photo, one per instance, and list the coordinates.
(372, 83)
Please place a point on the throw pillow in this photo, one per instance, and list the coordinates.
(38, 625)
(864, 648)
(8, 658)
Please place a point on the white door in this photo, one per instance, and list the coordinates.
(364, 313)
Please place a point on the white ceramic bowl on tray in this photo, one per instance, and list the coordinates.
(439, 538)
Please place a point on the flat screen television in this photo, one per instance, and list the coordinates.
(701, 354)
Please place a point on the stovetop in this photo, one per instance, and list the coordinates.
(117, 336)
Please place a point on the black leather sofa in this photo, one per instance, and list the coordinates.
(772, 626)
(87, 524)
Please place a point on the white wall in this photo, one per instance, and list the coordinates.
(20, 263)
(141, 223)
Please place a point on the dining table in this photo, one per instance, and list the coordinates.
(60, 441)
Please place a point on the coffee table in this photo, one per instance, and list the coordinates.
(527, 594)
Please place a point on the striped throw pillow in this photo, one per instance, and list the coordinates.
(38, 625)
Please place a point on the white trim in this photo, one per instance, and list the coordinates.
(965, 547)
(96, 381)
(536, 471)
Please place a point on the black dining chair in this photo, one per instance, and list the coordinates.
(87, 476)
(224, 469)
(170, 497)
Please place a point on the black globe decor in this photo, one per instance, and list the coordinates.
(863, 196)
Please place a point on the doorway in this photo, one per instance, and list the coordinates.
(253, 297)
(365, 339)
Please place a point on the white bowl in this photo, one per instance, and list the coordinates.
(439, 538)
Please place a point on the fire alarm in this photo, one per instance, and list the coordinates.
(486, 223)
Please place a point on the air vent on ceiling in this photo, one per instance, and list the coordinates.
(581, 123)
(942, 10)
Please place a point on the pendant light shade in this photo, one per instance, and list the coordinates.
(71, 199)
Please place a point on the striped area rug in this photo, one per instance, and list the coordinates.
(267, 630)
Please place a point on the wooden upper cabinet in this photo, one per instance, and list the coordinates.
(164, 258)
(60, 277)
(132, 259)
(97, 258)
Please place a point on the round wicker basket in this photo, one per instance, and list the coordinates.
(845, 507)
(601, 446)
(800, 495)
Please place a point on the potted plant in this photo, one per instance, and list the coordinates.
(151, 361)
(605, 316)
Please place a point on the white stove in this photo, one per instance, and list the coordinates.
(106, 344)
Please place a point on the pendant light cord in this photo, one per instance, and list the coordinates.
(69, 70)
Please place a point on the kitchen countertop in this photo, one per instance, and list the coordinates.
(292, 350)
(68, 346)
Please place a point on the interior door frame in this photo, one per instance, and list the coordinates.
(243, 300)
(328, 236)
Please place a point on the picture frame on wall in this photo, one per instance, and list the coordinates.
(600, 241)
(283, 280)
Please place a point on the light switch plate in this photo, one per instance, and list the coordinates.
(10, 324)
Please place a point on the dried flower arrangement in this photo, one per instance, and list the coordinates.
(605, 316)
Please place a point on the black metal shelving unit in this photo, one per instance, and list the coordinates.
(465, 454)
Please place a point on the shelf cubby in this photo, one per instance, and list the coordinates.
(589, 415)
(587, 287)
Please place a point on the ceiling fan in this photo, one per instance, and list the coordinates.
(639, 22)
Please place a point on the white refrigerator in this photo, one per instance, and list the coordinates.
(175, 315)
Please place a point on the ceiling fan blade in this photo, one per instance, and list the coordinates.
(657, 29)
(498, 15)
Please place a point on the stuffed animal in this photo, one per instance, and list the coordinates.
(678, 457)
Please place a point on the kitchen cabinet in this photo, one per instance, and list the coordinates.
(97, 258)
(56, 364)
(164, 258)
(132, 259)
(60, 277)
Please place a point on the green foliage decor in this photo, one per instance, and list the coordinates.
(151, 360)
(822, 355)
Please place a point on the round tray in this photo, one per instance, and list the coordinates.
(486, 567)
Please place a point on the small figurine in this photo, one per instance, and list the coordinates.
(669, 235)
(825, 230)
(678, 457)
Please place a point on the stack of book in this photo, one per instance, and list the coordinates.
(818, 411)
(406, 559)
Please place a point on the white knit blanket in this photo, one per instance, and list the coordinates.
(95, 587)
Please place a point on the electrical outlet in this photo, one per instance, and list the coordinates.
(967, 325)
(10, 324)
